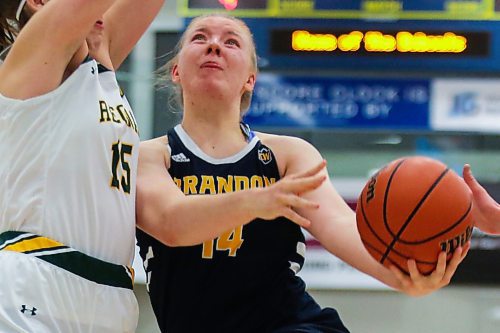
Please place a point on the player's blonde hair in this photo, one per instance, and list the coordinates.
(165, 71)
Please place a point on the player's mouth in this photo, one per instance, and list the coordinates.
(99, 24)
(211, 64)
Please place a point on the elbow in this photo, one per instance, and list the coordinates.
(169, 237)
(159, 226)
(155, 218)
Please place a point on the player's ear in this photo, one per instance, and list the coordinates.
(35, 5)
(175, 74)
(250, 84)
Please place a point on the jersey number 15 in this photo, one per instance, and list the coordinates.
(119, 161)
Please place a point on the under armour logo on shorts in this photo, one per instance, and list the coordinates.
(24, 309)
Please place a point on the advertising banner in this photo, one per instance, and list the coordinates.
(324, 102)
(465, 105)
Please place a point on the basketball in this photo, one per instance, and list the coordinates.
(414, 208)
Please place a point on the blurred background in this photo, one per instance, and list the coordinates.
(366, 82)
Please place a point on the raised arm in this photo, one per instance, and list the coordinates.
(45, 46)
(486, 210)
(334, 226)
(175, 219)
(125, 23)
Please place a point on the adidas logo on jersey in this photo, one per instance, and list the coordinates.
(180, 158)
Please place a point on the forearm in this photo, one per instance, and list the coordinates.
(126, 22)
(191, 220)
(348, 247)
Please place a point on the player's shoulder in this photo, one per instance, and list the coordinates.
(285, 143)
(161, 141)
(291, 152)
(154, 148)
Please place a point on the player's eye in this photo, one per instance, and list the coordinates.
(232, 41)
(198, 37)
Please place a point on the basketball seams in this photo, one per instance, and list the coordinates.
(386, 195)
(412, 214)
(367, 222)
(374, 248)
(453, 226)
(379, 238)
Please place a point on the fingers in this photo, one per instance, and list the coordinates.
(301, 185)
(401, 277)
(469, 178)
(441, 269)
(417, 284)
(465, 250)
(456, 259)
(293, 202)
(296, 218)
(311, 172)
(467, 175)
(413, 270)
(298, 202)
(467, 172)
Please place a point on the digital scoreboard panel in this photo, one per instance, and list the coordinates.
(430, 36)
(373, 41)
(350, 9)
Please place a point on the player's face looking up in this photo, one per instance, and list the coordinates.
(217, 56)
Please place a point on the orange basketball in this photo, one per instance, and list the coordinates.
(414, 207)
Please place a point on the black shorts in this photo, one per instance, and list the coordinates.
(328, 321)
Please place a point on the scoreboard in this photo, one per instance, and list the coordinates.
(351, 9)
(426, 36)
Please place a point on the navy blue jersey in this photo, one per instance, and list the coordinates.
(243, 281)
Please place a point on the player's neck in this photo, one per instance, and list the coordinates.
(216, 139)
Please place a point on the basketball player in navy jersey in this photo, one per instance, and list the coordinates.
(240, 277)
(486, 210)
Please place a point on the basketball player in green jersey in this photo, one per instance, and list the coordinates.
(69, 147)
(69, 157)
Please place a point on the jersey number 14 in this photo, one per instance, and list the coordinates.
(229, 241)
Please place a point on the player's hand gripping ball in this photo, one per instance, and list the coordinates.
(414, 208)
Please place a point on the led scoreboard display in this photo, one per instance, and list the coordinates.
(398, 42)
(351, 9)
(430, 35)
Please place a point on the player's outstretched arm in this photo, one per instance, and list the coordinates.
(125, 22)
(334, 226)
(175, 219)
(486, 211)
